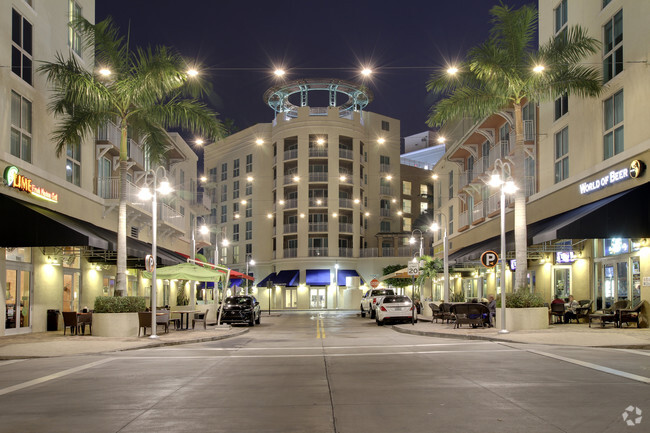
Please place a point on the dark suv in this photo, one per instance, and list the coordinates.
(241, 309)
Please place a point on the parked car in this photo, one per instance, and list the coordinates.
(241, 309)
(370, 300)
(397, 308)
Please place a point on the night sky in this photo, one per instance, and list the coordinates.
(238, 43)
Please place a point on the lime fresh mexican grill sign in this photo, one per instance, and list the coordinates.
(13, 179)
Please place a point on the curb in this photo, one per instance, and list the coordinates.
(503, 340)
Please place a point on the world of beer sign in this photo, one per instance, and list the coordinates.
(635, 170)
(14, 179)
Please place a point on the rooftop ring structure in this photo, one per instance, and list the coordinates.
(277, 97)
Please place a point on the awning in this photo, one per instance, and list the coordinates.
(270, 278)
(235, 274)
(472, 253)
(401, 273)
(623, 215)
(187, 271)
(343, 274)
(30, 225)
(318, 277)
(287, 278)
(235, 282)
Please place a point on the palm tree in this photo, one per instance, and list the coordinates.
(148, 91)
(430, 269)
(504, 73)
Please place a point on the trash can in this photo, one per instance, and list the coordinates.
(52, 320)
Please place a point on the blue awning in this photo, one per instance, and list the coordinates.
(270, 278)
(287, 278)
(235, 282)
(343, 273)
(318, 277)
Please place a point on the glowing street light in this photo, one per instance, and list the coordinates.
(381, 140)
(538, 68)
(105, 72)
(279, 72)
(452, 70)
(192, 72)
(366, 72)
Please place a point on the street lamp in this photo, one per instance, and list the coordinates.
(145, 194)
(412, 240)
(249, 262)
(203, 229)
(435, 227)
(501, 177)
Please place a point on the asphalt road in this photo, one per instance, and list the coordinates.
(330, 372)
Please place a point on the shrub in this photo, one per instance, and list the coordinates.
(122, 304)
(457, 297)
(522, 298)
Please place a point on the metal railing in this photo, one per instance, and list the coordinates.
(318, 111)
(345, 252)
(384, 212)
(291, 203)
(171, 216)
(369, 252)
(529, 130)
(109, 132)
(290, 228)
(463, 219)
(346, 203)
(318, 252)
(531, 186)
(478, 212)
(135, 152)
(385, 190)
(318, 227)
(346, 228)
(288, 253)
(462, 179)
(347, 114)
(288, 178)
(290, 154)
(317, 202)
(384, 168)
(346, 153)
(318, 177)
(315, 152)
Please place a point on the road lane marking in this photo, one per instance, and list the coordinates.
(636, 352)
(236, 349)
(10, 361)
(47, 378)
(593, 366)
(320, 328)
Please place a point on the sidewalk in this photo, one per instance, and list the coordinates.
(563, 335)
(51, 344)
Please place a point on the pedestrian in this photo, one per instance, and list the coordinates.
(571, 312)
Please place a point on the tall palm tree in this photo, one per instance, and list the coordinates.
(148, 91)
(432, 266)
(504, 73)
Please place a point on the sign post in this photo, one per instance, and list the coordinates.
(413, 270)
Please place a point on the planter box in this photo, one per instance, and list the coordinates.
(115, 324)
(523, 319)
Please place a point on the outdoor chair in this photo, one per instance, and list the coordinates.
(435, 311)
(584, 309)
(629, 315)
(144, 321)
(70, 321)
(557, 310)
(201, 317)
(84, 319)
(163, 319)
(445, 312)
(609, 314)
(474, 314)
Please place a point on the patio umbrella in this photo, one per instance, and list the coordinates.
(190, 271)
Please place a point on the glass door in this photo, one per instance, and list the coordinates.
(622, 289)
(291, 298)
(317, 298)
(71, 282)
(18, 299)
(562, 281)
(608, 279)
(616, 283)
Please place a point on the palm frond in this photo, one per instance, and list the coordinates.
(187, 114)
(77, 124)
(155, 140)
(573, 47)
(514, 30)
(103, 42)
(469, 102)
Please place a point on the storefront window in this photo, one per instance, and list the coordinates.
(19, 255)
(17, 299)
(562, 281)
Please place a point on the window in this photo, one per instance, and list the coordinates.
(605, 3)
(73, 162)
(249, 163)
(424, 206)
(235, 190)
(235, 209)
(181, 210)
(21, 127)
(451, 184)
(249, 230)
(182, 178)
(613, 47)
(235, 233)
(406, 206)
(74, 39)
(235, 253)
(235, 168)
(561, 17)
(213, 175)
(385, 126)
(224, 171)
(406, 224)
(439, 195)
(21, 47)
(613, 139)
(224, 192)
(424, 190)
(562, 155)
(504, 139)
(249, 208)
(406, 187)
(385, 227)
(384, 159)
(561, 106)
(249, 249)
(249, 188)
(224, 213)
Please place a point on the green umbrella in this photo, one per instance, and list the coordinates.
(189, 271)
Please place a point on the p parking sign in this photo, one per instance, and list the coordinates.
(489, 259)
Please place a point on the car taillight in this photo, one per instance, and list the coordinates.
(374, 300)
(411, 308)
(382, 308)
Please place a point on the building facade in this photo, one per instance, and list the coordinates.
(314, 197)
(586, 182)
(58, 239)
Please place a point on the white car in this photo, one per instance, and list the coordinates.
(395, 308)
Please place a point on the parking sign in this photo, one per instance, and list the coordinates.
(489, 259)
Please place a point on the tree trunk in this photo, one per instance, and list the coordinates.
(120, 279)
(521, 230)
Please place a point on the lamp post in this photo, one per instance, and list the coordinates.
(435, 227)
(251, 262)
(203, 230)
(501, 177)
(412, 241)
(224, 243)
(145, 194)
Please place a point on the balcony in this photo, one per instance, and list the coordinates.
(345, 228)
(290, 154)
(318, 252)
(529, 130)
(385, 190)
(318, 153)
(288, 179)
(463, 221)
(291, 203)
(201, 203)
(346, 203)
(290, 228)
(346, 154)
(318, 227)
(317, 202)
(318, 177)
(318, 111)
(171, 217)
(478, 213)
(345, 252)
(289, 253)
(463, 179)
(384, 212)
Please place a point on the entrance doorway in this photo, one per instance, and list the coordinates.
(615, 283)
(290, 298)
(18, 299)
(71, 283)
(317, 298)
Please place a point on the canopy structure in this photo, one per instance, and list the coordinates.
(402, 273)
(190, 271)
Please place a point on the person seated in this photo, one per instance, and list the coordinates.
(557, 300)
(492, 306)
(571, 308)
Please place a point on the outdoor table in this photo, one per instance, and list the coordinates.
(187, 318)
(603, 317)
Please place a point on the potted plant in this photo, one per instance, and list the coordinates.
(117, 316)
(524, 311)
